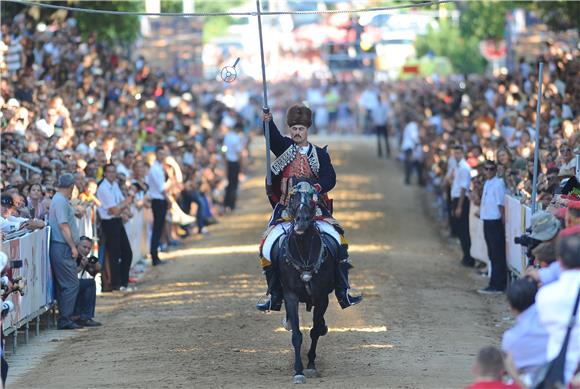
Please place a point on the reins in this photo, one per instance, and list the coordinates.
(303, 265)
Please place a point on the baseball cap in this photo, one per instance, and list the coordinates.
(545, 226)
(66, 181)
(7, 201)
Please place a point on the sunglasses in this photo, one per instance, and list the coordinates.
(489, 168)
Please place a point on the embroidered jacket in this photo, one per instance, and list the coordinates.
(286, 152)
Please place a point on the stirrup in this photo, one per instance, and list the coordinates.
(269, 305)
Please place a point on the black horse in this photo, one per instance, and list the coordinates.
(306, 258)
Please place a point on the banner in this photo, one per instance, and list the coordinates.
(478, 245)
(32, 250)
(515, 226)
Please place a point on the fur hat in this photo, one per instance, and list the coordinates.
(299, 115)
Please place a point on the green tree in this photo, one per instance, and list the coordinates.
(446, 41)
(558, 15)
(114, 28)
(483, 19)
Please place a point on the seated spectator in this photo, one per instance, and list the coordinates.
(556, 301)
(527, 340)
(489, 370)
(87, 268)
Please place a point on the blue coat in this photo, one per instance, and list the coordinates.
(282, 146)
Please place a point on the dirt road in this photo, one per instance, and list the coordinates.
(192, 323)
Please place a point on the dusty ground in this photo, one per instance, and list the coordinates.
(193, 324)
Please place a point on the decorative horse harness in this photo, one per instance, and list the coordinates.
(289, 251)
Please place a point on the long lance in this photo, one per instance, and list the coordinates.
(537, 146)
(265, 107)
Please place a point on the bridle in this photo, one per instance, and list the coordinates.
(302, 265)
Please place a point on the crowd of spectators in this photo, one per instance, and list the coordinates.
(77, 111)
(74, 105)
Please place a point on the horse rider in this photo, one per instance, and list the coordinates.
(297, 158)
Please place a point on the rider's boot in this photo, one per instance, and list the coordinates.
(274, 290)
(341, 285)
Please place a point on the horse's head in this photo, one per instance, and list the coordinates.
(302, 205)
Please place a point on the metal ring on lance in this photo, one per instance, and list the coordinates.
(229, 73)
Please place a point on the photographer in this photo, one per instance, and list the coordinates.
(87, 268)
(544, 229)
(113, 205)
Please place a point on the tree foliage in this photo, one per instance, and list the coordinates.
(559, 15)
(447, 41)
(113, 28)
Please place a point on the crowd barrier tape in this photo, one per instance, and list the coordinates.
(517, 220)
(32, 250)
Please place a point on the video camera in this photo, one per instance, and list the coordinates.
(529, 243)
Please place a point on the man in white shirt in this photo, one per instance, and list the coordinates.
(233, 146)
(556, 300)
(410, 142)
(379, 115)
(157, 182)
(125, 166)
(118, 262)
(460, 204)
(492, 214)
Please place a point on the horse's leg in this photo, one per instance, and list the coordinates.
(291, 301)
(319, 329)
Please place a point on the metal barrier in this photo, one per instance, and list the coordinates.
(21, 165)
(33, 250)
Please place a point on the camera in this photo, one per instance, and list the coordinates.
(93, 260)
(529, 243)
(526, 241)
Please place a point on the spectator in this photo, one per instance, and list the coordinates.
(489, 370)
(11, 222)
(460, 204)
(64, 238)
(492, 214)
(125, 166)
(526, 342)
(36, 201)
(119, 255)
(233, 147)
(410, 142)
(379, 116)
(87, 268)
(556, 301)
(156, 182)
(545, 254)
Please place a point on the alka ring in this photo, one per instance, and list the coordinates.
(229, 73)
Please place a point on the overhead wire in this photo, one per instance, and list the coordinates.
(248, 13)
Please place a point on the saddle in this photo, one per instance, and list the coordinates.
(328, 227)
(320, 247)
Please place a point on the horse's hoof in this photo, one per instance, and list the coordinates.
(311, 373)
(286, 324)
(299, 379)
